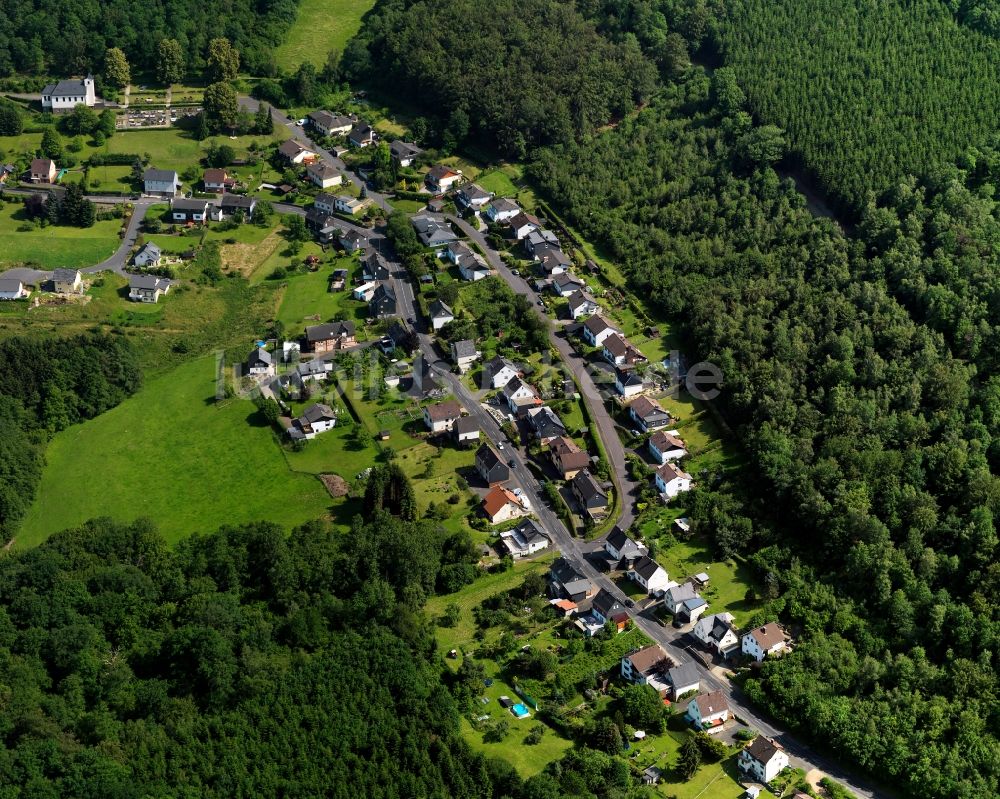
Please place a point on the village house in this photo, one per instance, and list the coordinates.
(330, 336)
(596, 329)
(473, 196)
(545, 424)
(646, 666)
(565, 284)
(567, 458)
(490, 466)
(716, 633)
(161, 182)
(619, 351)
(441, 416)
(66, 95)
(316, 371)
(327, 124)
(521, 224)
(524, 540)
(648, 415)
(629, 383)
(12, 289)
(464, 354)
(149, 256)
(666, 446)
(441, 178)
(606, 608)
(43, 170)
(466, 430)
(184, 210)
(580, 304)
(353, 240)
(518, 394)
(362, 135)
(621, 548)
(147, 288)
(552, 261)
(294, 153)
(404, 153)
(683, 679)
(708, 711)
(500, 210)
(323, 175)
(432, 232)
(441, 314)
(472, 268)
(217, 181)
(325, 203)
(501, 505)
(763, 641)
(591, 495)
(671, 480)
(763, 759)
(232, 206)
(423, 378)
(260, 362)
(315, 419)
(374, 268)
(683, 602)
(498, 372)
(649, 574)
(537, 238)
(382, 305)
(67, 281)
(566, 580)
(352, 206)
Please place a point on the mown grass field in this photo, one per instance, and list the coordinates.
(55, 245)
(319, 28)
(172, 454)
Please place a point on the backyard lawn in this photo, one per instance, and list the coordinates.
(55, 245)
(307, 300)
(320, 27)
(171, 454)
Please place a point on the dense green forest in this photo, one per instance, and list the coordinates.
(513, 74)
(62, 37)
(863, 427)
(868, 92)
(47, 385)
(242, 664)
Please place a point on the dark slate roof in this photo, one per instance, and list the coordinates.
(402, 149)
(762, 749)
(238, 201)
(64, 275)
(488, 457)
(587, 486)
(440, 309)
(147, 282)
(646, 567)
(466, 424)
(465, 348)
(72, 88)
(164, 175)
(260, 355)
(684, 675)
(546, 422)
(329, 330)
(183, 204)
(605, 603)
(318, 412)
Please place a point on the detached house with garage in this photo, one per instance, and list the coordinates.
(362, 135)
(327, 124)
(501, 505)
(591, 495)
(717, 633)
(12, 289)
(567, 458)
(67, 281)
(473, 197)
(441, 314)
(464, 354)
(184, 211)
(763, 641)
(160, 182)
(666, 446)
(441, 416)
(520, 395)
(330, 337)
(294, 153)
(683, 679)
(234, 206)
(501, 210)
(649, 574)
(648, 415)
(620, 547)
(498, 372)
(708, 711)
(404, 153)
(581, 304)
(217, 181)
(490, 466)
(383, 302)
(629, 383)
(441, 178)
(466, 431)
(147, 288)
(260, 363)
(521, 224)
(323, 175)
(314, 420)
(434, 233)
(596, 329)
(524, 540)
(353, 240)
(566, 580)
(545, 424)
(43, 170)
(646, 666)
(763, 759)
(671, 480)
(149, 256)
(619, 351)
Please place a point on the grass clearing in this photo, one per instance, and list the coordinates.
(498, 182)
(172, 454)
(54, 246)
(320, 27)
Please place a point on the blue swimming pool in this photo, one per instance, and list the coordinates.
(520, 711)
